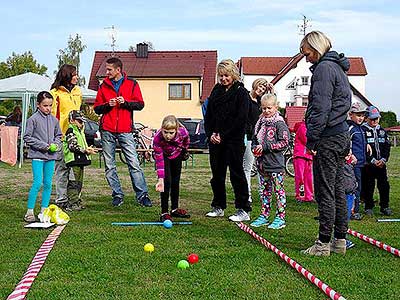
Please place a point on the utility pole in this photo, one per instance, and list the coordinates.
(113, 38)
(303, 27)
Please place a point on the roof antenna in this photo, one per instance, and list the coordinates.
(303, 27)
(112, 35)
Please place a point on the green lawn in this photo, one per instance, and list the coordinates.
(94, 260)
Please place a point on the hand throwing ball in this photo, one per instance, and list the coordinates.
(193, 258)
(183, 264)
(167, 224)
(149, 248)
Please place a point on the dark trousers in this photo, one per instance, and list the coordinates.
(74, 188)
(329, 186)
(358, 173)
(370, 173)
(223, 156)
(172, 169)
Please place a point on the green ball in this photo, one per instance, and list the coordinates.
(183, 264)
(53, 148)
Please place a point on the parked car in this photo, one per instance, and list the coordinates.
(92, 133)
(198, 138)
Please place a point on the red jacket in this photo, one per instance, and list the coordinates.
(118, 119)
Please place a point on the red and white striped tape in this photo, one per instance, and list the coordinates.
(22, 288)
(376, 243)
(320, 284)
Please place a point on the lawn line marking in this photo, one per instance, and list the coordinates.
(148, 223)
(22, 288)
(388, 220)
(376, 243)
(303, 271)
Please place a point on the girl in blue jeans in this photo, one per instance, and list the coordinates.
(43, 136)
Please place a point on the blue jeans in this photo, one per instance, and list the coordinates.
(127, 144)
(42, 172)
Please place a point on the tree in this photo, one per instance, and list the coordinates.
(18, 64)
(149, 44)
(71, 55)
(388, 119)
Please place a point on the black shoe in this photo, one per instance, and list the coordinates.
(179, 213)
(386, 211)
(117, 201)
(145, 201)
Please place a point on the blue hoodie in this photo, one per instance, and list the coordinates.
(358, 143)
(329, 99)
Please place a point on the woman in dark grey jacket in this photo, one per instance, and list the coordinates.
(327, 139)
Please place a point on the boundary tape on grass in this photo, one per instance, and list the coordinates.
(147, 223)
(303, 271)
(22, 288)
(376, 243)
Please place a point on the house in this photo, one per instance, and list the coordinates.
(292, 78)
(172, 82)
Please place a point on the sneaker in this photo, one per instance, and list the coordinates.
(278, 223)
(145, 201)
(356, 216)
(338, 246)
(117, 201)
(260, 221)
(369, 212)
(165, 216)
(386, 211)
(215, 212)
(179, 213)
(29, 218)
(349, 244)
(239, 216)
(318, 249)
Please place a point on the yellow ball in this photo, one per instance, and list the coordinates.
(149, 247)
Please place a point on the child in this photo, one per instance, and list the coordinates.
(302, 162)
(170, 144)
(358, 149)
(271, 137)
(375, 168)
(43, 136)
(76, 156)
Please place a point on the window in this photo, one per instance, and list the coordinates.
(180, 91)
(291, 85)
(304, 80)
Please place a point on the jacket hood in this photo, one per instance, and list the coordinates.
(340, 59)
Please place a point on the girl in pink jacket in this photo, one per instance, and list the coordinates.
(302, 162)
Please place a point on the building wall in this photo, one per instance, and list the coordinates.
(157, 104)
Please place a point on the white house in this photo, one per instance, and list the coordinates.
(291, 77)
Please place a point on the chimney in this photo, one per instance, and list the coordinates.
(142, 50)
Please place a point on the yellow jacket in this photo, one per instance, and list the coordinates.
(64, 102)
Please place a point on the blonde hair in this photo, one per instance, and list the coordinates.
(170, 122)
(317, 41)
(258, 82)
(270, 98)
(229, 67)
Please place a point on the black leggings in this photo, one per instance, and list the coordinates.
(173, 169)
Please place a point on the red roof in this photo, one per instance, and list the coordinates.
(294, 114)
(201, 64)
(274, 65)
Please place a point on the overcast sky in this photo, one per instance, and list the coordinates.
(369, 29)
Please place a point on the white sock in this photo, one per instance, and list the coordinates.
(42, 209)
(29, 211)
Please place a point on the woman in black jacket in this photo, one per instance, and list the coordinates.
(225, 124)
(328, 139)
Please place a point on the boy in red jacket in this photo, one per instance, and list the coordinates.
(116, 100)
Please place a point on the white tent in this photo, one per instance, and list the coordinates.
(26, 87)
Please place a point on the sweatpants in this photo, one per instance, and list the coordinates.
(268, 183)
(329, 186)
(370, 173)
(230, 155)
(303, 176)
(74, 188)
(172, 171)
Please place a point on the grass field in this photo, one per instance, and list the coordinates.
(94, 260)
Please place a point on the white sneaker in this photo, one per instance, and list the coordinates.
(216, 212)
(240, 216)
